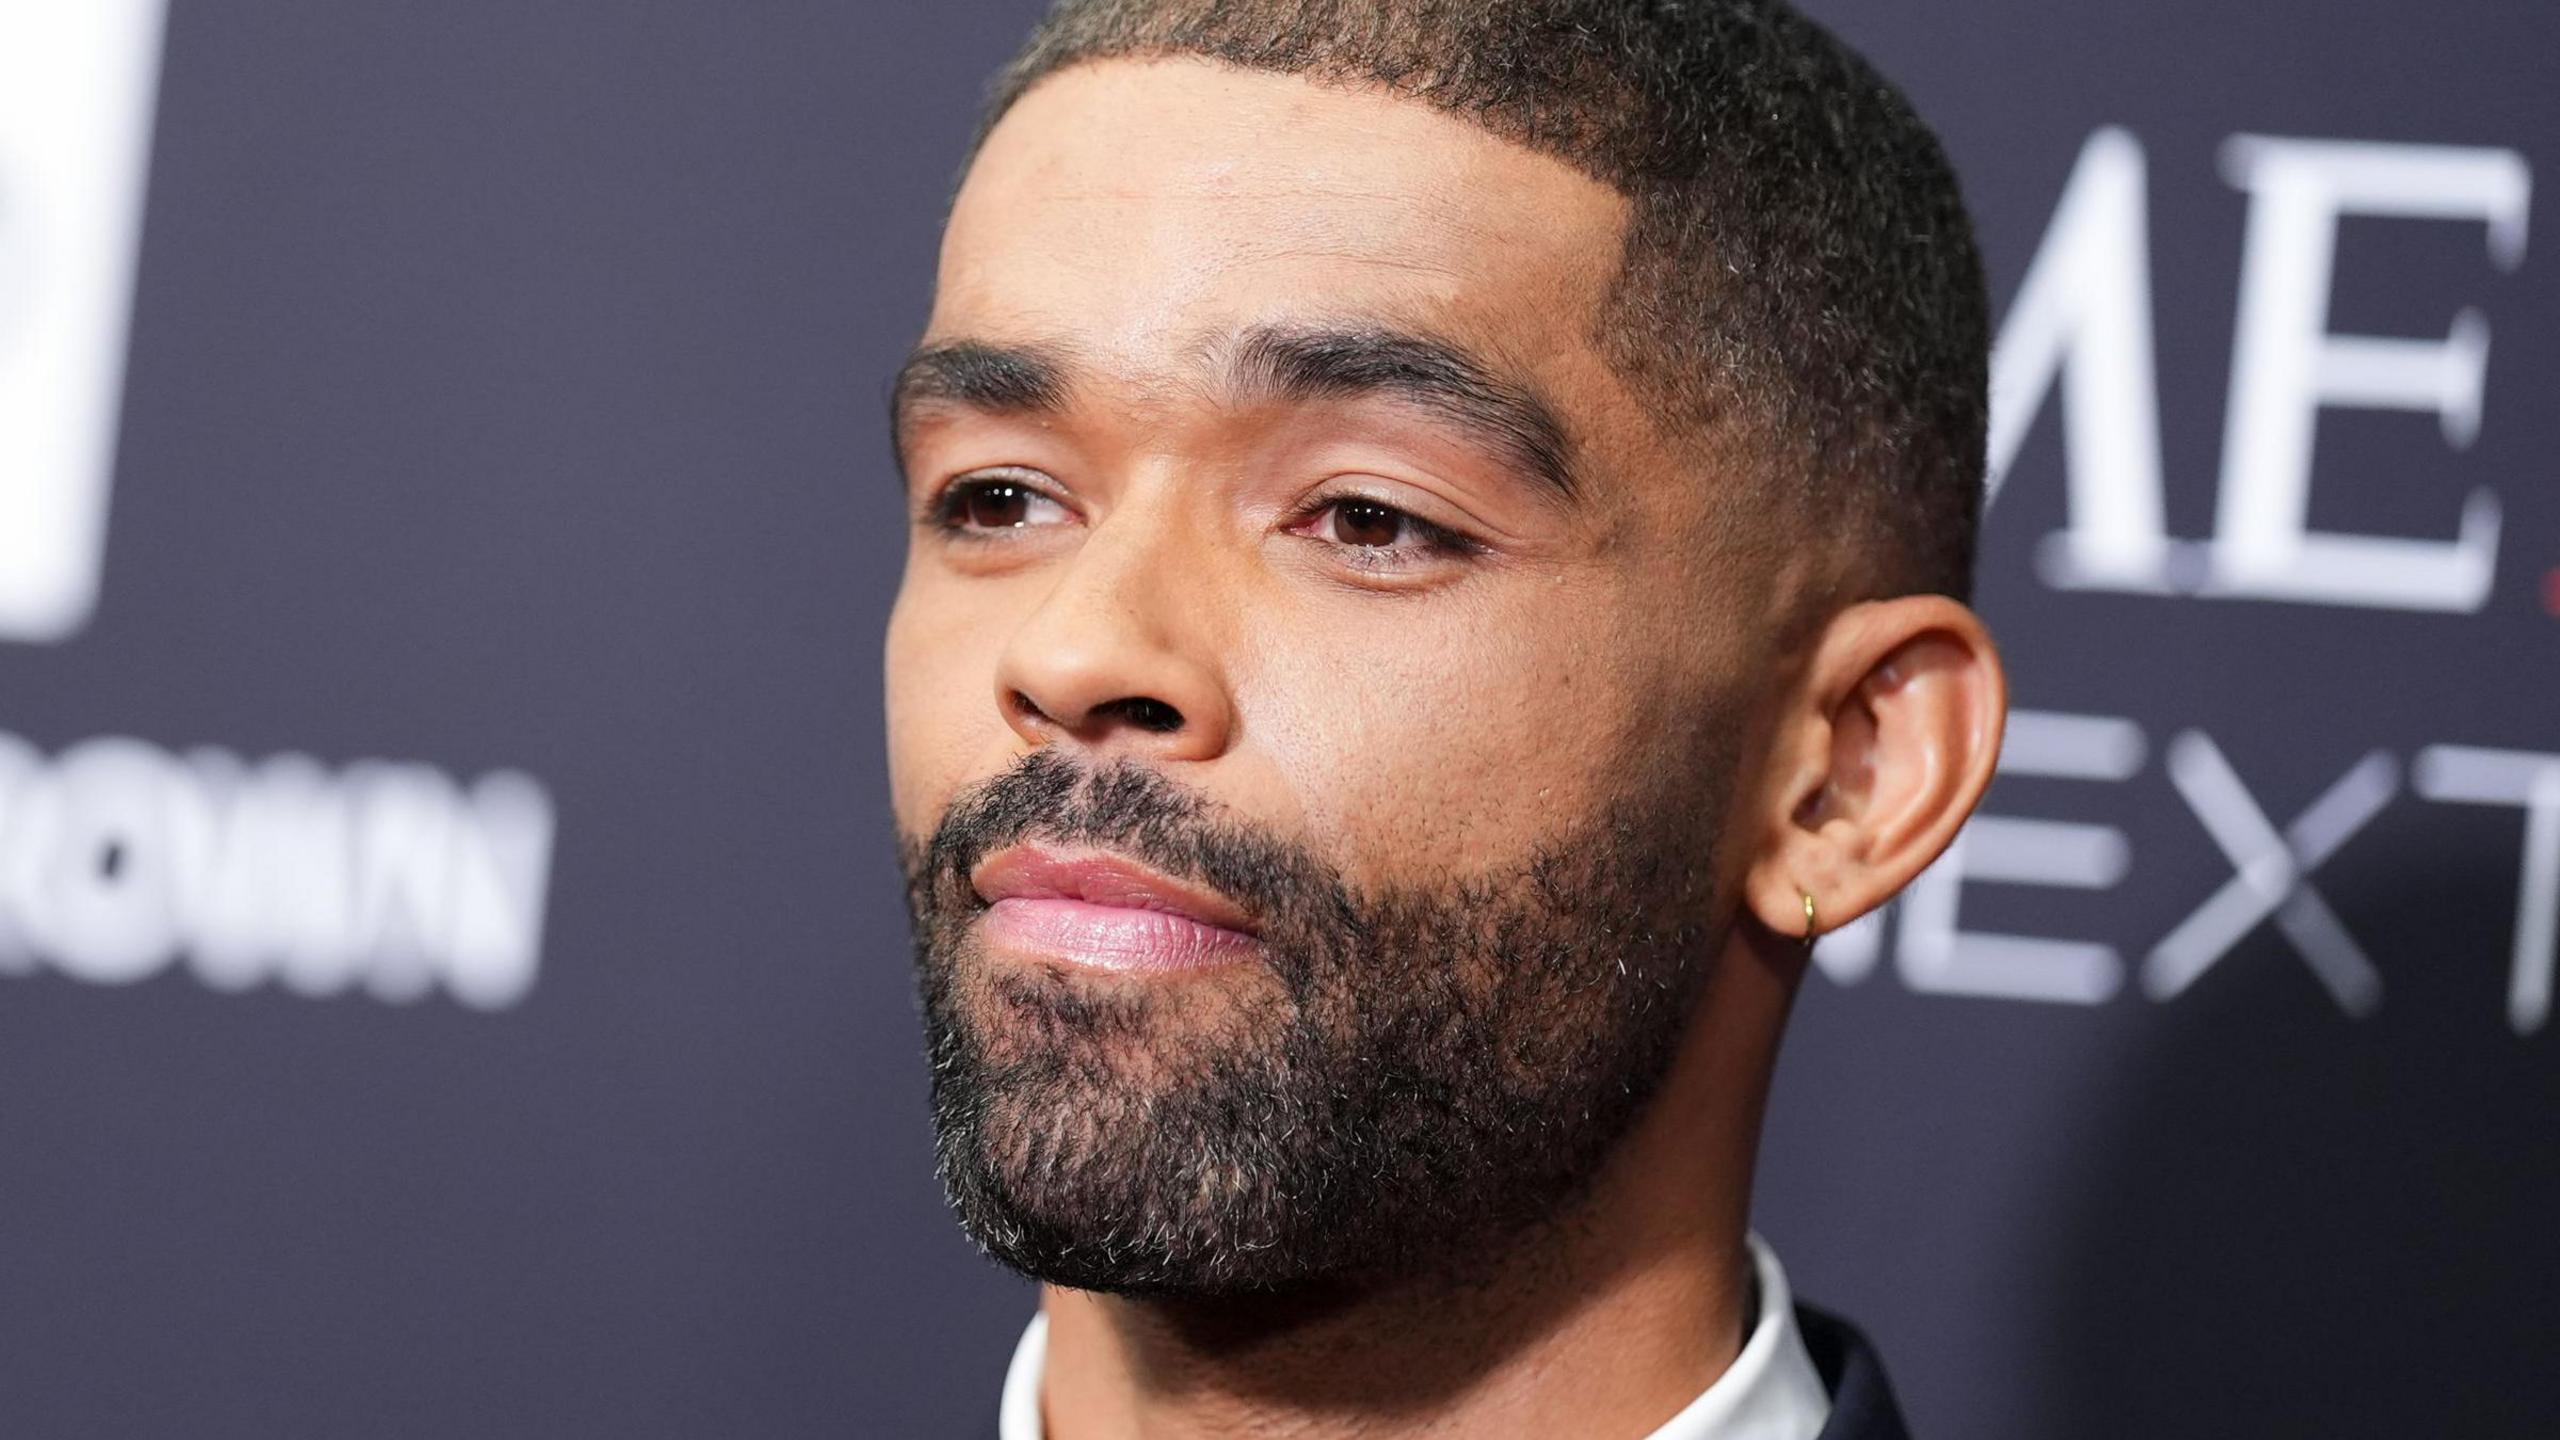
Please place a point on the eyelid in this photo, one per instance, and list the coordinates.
(1432, 544)
(1031, 476)
(1454, 534)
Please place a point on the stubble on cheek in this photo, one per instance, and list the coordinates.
(1399, 1078)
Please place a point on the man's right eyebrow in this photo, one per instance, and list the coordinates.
(978, 375)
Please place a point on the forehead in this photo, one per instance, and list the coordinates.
(1134, 207)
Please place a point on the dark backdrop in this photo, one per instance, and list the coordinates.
(451, 973)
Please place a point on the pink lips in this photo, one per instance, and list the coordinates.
(1097, 910)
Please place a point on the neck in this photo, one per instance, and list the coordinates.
(1604, 1322)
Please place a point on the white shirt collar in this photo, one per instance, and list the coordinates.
(1770, 1392)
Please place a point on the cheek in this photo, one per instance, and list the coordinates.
(1451, 739)
(937, 676)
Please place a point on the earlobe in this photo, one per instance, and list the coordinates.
(1884, 750)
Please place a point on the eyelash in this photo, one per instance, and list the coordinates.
(947, 511)
(1430, 541)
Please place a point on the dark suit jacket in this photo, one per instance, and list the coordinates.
(1862, 1405)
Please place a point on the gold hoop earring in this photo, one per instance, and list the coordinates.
(1812, 927)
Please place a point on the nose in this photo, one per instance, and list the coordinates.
(1121, 656)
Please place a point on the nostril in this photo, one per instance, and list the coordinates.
(1147, 713)
(1144, 712)
(1026, 708)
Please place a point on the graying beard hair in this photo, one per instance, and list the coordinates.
(1432, 1072)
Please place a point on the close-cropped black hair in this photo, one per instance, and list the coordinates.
(1798, 261)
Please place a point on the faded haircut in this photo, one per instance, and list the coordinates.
(1798, 270)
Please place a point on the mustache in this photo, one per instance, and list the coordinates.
(1129, 808)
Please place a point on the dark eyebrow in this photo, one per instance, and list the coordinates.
(1280, 362)
(1005, 379)
(1300, 363)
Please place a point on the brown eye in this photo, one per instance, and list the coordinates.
(995, 506)
(992, 506)
(1375, 534)
(1359, 522)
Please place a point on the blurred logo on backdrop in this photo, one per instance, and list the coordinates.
(119, 859)
(76, 90)
(2080, 329)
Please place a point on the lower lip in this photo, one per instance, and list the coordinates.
(1110, 937)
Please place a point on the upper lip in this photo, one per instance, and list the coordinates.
(1036, 871)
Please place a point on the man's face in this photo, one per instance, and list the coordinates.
(1278, 527)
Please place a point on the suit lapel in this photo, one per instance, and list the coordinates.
(1862, 1405)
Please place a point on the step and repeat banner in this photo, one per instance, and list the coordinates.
(452, 974)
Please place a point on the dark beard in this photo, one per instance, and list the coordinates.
(1426, 1072)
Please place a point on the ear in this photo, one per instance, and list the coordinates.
(1883, 749)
